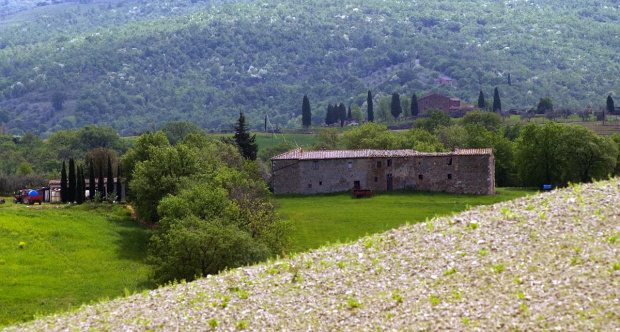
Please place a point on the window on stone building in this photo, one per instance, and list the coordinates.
(420, 177)
(450, 161)
(389, 162)
(449, 176)
(309, 185)
(320, 183)
(379, 164)
(350, 164)
(315, 165)
(376, 179)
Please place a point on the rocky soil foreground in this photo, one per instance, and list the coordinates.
(546, 262)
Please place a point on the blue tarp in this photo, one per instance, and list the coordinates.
(33, 193)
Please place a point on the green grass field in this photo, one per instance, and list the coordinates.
(339, 218)
(54, 258)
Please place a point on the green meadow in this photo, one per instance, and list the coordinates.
(337, 218)
(54, 258)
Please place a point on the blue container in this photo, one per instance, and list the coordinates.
(546, 187)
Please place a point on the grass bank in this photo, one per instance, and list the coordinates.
(333, 218)
(54, 258)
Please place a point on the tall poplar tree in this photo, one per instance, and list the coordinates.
(63, 183)
(395, 108)
(415, 109)
(497, 103)
(110, 186)
(245, 142)
(371, 111)
(481, 102)
(72, 182)
(306, 113)
(83, 180)
(91, 182)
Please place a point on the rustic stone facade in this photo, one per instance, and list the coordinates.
(436, 101)
(470, 171)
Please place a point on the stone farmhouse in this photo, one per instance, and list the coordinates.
(467, 171)
(436, 101)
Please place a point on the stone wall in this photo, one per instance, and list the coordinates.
(468, 174)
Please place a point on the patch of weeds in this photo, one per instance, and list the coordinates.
(396, 296)
(483, 252)
(368, 242)
(450, 272)
(574, 261)
(272, 270)
(577, 250)
(517, 280)
(435, 300)
(612, 239)
(242, 325)
(213, 322)
(520, 295)
(225, 300)
(341, 264)
(499, 268)
(22, 244)
(456, 294)
(353, 303)
(542, 216)
(615, 266)
(473, 225)
(429, 226)
(523, 307)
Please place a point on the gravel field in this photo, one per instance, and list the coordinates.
(545, 262)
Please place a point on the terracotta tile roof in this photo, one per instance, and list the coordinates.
(299, 154)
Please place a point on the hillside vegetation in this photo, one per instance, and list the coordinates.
(538, 263)
(136, 65)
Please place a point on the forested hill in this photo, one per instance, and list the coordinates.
(138, 64)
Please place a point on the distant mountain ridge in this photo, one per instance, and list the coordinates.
(135, 65)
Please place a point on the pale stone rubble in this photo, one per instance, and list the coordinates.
(545, 262)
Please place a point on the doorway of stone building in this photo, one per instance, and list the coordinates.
(390, 185)
(356, 185)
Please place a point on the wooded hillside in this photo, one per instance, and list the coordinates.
(135, 65)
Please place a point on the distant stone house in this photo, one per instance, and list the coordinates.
(436, 101)
(469, 171)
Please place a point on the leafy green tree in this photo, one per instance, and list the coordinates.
(587, 155)
(490, 121)
(415, 109)
(177, 130)
(63, 184)
(544, 105)
(145, 144)
(328, 138)
(497, 103)
(435, 120)
(246, 142)
(370, 136)
(610, 104)
(395, 107)
(539, 155)
(370, 110)
(356, 114)
(72, 182)
(481, 101)
(24, 169)
(421, 140)
(306, 113)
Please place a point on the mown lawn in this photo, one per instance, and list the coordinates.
(322, 219)
(54, 258)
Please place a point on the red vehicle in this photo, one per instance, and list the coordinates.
(28, 196)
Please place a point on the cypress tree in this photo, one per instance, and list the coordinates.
(100, 186)
(306, 113)
(119, 187)
(610, 104)
(371, 112)
(342, 114)
(329, 115)
(72, 182)
(83, 184)
(91, 180)
(415, 110)
(497, 103)
(395, 108)
(79, 188)
(245, 142)
(110, 186)
(481, 103)
(63, 183)
(349, 117)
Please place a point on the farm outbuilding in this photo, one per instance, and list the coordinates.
(467, 171)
